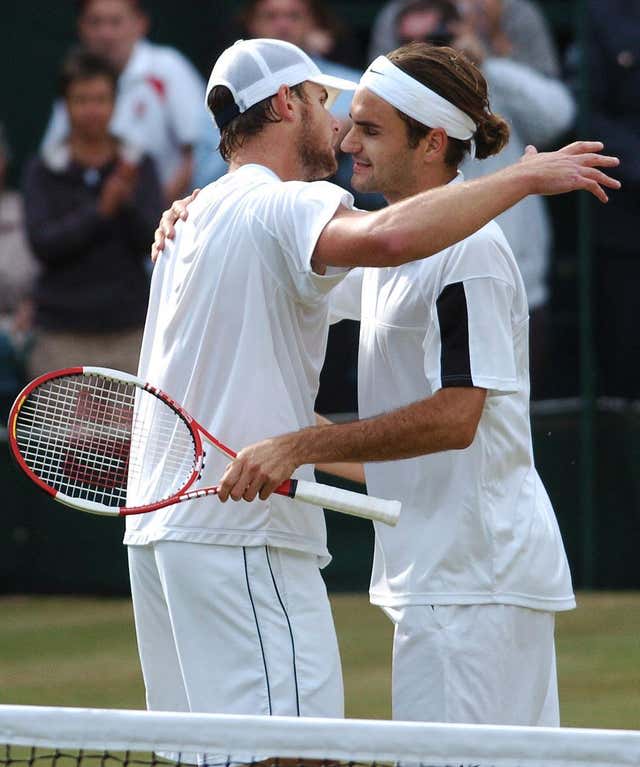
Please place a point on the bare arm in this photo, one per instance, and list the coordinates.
(354, 472)
(446, 421)
(431, 221)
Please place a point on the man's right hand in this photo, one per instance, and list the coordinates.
(572, 168)
(166, 228)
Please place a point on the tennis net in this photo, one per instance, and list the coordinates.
(36, 736)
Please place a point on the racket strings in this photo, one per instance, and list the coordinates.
(105, 441)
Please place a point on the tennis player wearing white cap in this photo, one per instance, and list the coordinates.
(476, 569)
(231, 613)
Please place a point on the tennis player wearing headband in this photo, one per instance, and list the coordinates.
(476, 569)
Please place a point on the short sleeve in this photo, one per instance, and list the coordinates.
(473, 340)
(294, 213)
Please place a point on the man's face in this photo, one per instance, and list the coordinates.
(90, 106)
(110, 28)
(383, 161)
(317, 136)
(288, 20)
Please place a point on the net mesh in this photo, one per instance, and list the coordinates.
(33, 735)
(105, 441)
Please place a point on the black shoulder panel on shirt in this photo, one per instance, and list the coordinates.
(455, 359)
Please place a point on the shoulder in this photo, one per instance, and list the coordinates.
(169, 59)
(485, 253)
(39, 166)
(311, 193)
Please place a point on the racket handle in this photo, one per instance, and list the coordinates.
(346, 501)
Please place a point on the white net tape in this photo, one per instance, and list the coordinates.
(223, 739)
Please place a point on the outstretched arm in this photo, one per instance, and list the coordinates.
(431, 221)
(446, 421)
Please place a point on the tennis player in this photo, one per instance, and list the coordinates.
(231, 612)
(476, 569)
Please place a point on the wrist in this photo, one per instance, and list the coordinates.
(299, 446)
(524, 179)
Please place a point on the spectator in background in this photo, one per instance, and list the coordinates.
(539, 109)
(159, 105)
(513, 28)
(18, 269)
(613, 63)
(91, 204)
(297, 22)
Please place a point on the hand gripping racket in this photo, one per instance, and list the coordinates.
(106, 442)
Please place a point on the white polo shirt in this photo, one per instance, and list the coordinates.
(477, 525)
(159, 106)
(236, 331)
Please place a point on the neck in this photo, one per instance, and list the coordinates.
(92, 151)
(275, 149)
(282, 167)
(435, 177)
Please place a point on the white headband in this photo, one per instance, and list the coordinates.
(416, 100)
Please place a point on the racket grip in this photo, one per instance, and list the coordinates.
(346, 501)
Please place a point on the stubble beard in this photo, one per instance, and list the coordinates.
(317, 162)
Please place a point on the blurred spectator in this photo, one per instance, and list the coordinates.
(538, 109)
(17, 271)
(91, 203)
(297, 22)
(159, 105)
(613, 63)
(513, 28)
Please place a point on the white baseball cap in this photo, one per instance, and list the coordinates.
(255, 69)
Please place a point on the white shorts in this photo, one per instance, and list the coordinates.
(477, 664)
(234, 630)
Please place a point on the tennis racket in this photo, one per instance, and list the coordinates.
(106, 442)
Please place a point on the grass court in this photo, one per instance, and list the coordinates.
(66, 651)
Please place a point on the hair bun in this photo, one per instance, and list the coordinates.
(491, 136)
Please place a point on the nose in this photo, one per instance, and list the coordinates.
(349, 144)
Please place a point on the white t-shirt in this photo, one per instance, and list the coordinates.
(236, 332)
(476, 525)
(159, 106)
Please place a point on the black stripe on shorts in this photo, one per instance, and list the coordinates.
(255, 617)
(293, 645)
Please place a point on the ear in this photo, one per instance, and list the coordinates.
(435, 145)
(284, 103)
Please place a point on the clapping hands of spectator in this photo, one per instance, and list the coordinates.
(118, 189)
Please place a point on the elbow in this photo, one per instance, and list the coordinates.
(390, 247)
(463, 434)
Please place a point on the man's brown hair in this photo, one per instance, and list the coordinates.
(451, 75)
(247, 124)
